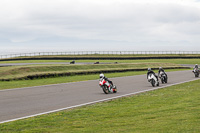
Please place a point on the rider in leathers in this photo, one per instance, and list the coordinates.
(109, 85)
(160, 71)
(196, 67)
(151, 72)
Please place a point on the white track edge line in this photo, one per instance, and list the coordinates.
(107, 99)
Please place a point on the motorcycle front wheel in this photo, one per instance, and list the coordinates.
(153, 82)
(105, 89)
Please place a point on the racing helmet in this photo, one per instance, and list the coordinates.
(160, 68)
(149, 69)
(101, 75)
(196, 66)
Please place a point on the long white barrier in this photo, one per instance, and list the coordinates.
(99, 52)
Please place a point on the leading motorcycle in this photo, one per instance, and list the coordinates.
(153, 80)
(196, 72)
(105, 86)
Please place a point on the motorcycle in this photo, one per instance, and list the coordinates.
(196, 72)
(105, 86)
(153, 80)
(163, 77)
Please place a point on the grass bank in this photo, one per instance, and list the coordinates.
(171, 109)
(67, 79)
(37, 71)
(175, 61)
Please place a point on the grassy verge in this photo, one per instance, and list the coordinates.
(35, 71)
(58, 80)
(175, 61)
(172, 109)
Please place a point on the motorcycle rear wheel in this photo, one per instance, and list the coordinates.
(166, 80)
(114, 89)
(158, 84)
(196, 75)
(162, 80)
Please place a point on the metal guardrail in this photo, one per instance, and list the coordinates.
(98, 52)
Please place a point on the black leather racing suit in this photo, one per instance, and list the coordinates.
(108, 80)
(161, 70)
(151, 72)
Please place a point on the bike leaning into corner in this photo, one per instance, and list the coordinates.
(162, 75)
(152, 78)
(196, 70)
(106, 85)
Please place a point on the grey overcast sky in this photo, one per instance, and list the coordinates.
(70, 25)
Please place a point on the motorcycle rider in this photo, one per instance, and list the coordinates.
(151, 72)
(101, 76)
(161, 70)
(196, 67)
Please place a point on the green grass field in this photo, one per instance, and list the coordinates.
(67, 79)
(173, 109)
(175, 61)
(14, 72)
(20, 71)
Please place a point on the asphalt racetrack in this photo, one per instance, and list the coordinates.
(32, 101)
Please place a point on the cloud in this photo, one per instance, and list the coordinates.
(130, 23)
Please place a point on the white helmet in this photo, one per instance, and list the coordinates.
(160, 68)
(101, 75)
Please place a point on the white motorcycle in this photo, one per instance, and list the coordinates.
(153, 80)
(196, 72)
(163, 77)
(105, 86)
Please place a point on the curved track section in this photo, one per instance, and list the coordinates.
(32, 101)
